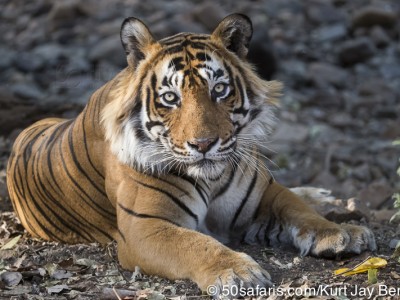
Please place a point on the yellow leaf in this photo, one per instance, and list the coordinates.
(370, 263)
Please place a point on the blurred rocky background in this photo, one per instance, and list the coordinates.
(339, 61)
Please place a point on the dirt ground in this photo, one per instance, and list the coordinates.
(56, 271)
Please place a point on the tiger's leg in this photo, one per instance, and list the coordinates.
(284, 217)
(161, 244)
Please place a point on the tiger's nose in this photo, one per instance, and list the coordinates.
(202, 145)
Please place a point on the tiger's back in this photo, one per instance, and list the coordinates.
(56, 182)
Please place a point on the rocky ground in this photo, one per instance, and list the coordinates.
(340, 112)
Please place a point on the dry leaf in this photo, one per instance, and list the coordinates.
(85, 262)
(394, 275)
(11, 243)
(57, 288)
(61, 274)
(371, 263)
(19, 261)
(281, 265)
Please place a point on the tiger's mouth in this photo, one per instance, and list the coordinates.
(204, 163)
(207, 168)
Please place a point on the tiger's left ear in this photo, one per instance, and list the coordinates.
(235, 33)
(135, 37)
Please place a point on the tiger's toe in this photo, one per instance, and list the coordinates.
(335, 240)
(238, 277)
(362, 239)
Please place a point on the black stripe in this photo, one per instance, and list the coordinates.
(93, 204)
(50, 148)
(151, 124)
(270, 226)
(225, 187)
(241, 92)
(202, 56)
(28, 148)
(195, 38)
(121, 234)
(197, 187)
(79, 167)
(254, 113)
(144, 216)
(218, 73)
(96, 107)
(174, 199)
(18, 171)
(177, 63)
(244, 200)
(34, 215)
(46, 194)
(173, 49)
(86, 147)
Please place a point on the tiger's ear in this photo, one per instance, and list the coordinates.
(135, 37)
(235, 33)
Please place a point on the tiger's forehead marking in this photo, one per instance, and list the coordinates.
(193, 61)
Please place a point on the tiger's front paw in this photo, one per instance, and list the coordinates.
(333, 240)
(237, 275)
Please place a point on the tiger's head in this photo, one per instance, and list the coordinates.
(190, 102)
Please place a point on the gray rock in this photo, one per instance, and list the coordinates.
(177, 24)
(51, 54)
(370, 16)
(209, 14)
(295, 70)
(105, 71)
(383, 215)
(64, 13)
(78, 65)
(3, 185)
(326, 97)
(390, 71)
(379, 36)
(27, 91)
(376, 193)
(29, 62)
(330, 33)
(375, 91)
(292, 133)
(362, 172)
(109, 49)
(393, 243)
(343, 120)
(323, 74)
(6, 58)
(356, 51)
(320, 12)
(11, 279)
(358, 209)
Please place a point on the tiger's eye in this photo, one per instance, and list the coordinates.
(219, 88)
(170, 97)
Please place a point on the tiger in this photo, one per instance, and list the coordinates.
(166, 159)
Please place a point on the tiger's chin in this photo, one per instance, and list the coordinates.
(206, 169)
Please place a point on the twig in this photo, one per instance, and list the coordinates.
(352, 269)
(116, 294)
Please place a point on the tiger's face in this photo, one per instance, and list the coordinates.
(196, 102)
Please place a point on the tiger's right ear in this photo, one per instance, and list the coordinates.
(135, 37)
